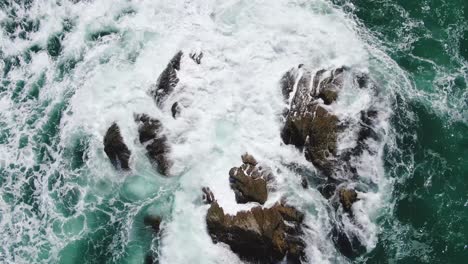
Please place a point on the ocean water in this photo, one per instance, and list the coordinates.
(68, 69)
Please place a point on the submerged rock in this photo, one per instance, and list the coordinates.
(168, 80)
(261, 235)
(347, 242)
(154, 222)
(249, 182)
(150, 133)
(115, 148)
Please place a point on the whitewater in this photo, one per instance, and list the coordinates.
(72, 68)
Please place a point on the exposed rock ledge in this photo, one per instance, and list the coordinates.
(260, 235)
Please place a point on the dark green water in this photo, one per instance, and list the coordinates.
(429, 40)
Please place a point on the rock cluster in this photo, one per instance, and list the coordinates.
(313, 128)
(150, 134)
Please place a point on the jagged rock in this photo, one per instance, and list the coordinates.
(208, 196)
(249, 159)
(196, 56)
(175, 110)
(115, 148)
(248, 181)
(154, 222)
(261, 235)
(347, 198)
(168, 80)
(314, 129)
(347, 242)
(150, 133)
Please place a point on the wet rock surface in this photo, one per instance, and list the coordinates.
(168, 80)
(150, 135)
(313, 128)
(248, 181)
(154, 222)
(261, 235)
(115, 148)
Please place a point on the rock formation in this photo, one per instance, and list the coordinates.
(168, 80)
(115, 148)
(260, 235)
(312, 127)
(150, 134)
(249, 182)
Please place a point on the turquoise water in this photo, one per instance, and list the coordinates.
(70, 68)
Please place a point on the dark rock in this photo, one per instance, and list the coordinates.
(261, 235)
(196, 57)
(347, 198)
(115, 148)
(347, 243)
(248, 182)
(314, 129)
(304, 182)
(287, 83)
(175, 109)
(208, 196)
(249, 159)
(149, 259)
(154, 222)
(150, 133)
(168, 80)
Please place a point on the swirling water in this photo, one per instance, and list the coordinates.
(71, 68)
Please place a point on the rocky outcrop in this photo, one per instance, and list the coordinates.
(261, 235)
(249, 181)
(168, 80)
(115, 148)
(312, 127)
(309, 125)
(150, 135)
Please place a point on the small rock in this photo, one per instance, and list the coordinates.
(208, 196)
(115, 148)
(347, 198)
(150, 133)
(154, 222)
(249, 159)
(196, 57)
(175, 109)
